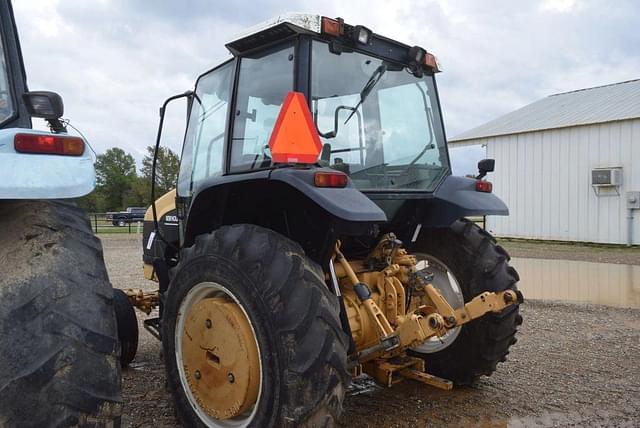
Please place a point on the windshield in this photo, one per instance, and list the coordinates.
(6, 105)
(378, 122)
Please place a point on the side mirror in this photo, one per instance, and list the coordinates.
(44, 104)
(485, 166)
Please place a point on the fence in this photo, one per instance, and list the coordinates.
(101, 224)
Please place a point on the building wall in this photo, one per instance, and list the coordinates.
(545, 179)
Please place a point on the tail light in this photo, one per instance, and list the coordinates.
(49, 144)
(330, 179)
(484, 186)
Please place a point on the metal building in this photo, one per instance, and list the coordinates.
(568, 165)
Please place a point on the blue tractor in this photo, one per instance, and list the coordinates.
(59, 363)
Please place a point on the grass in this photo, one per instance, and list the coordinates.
(567, 244)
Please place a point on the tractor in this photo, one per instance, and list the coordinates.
(316, 233)
(59, 354)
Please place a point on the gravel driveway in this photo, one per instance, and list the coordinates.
(574, 365)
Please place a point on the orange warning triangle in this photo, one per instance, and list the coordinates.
(294, 138)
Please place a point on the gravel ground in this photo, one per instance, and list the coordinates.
(574, 365)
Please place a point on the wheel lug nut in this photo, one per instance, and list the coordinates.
(197, 374)
(208, 323)
(231, 378)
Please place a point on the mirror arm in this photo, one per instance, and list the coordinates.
(56, 126)
(190, 95)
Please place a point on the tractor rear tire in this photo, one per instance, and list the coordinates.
(127, 327)
(479, 265)
(293, 316)
(59, 353)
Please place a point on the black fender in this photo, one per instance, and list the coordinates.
(457, 197)
(285, 200)
(348, 203)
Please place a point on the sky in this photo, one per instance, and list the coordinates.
(115, 61)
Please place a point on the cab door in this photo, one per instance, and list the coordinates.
(13, 113)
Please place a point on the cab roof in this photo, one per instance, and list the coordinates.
(342, 34)
(274, 29)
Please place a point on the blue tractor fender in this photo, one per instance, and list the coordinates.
(42, 176)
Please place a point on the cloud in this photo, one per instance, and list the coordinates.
(560, 6)
(115, 61)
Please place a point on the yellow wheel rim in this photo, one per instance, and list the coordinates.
(218, 356)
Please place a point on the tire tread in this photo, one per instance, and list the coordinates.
(473, 253)
(57, 312)
(304, 316)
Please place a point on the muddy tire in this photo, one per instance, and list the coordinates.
(127, 327)
(59, 357)
(294, 318)
(479, 265)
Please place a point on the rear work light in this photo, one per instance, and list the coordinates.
(330, 179)
(49, 144)
(417, 54)
(361, 34)
(484, 186)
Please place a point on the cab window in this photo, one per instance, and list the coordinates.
(264, 81)
(203, 151)
(6, 103)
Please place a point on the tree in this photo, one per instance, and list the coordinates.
(167, 167)
(91, 203)
(115, 174)
(141, 192)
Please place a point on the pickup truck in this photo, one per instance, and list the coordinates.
(122, 218)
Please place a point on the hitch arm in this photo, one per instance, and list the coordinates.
(477, 307)
(485, 303)
(144, 300)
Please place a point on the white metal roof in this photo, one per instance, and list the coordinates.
(305, 21)
(618, 101)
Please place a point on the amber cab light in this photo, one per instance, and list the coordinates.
(484, 186)
(333, 27)
(49, 144)
(330, 179)
(432, 62)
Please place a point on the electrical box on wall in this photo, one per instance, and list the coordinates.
(633, 200)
